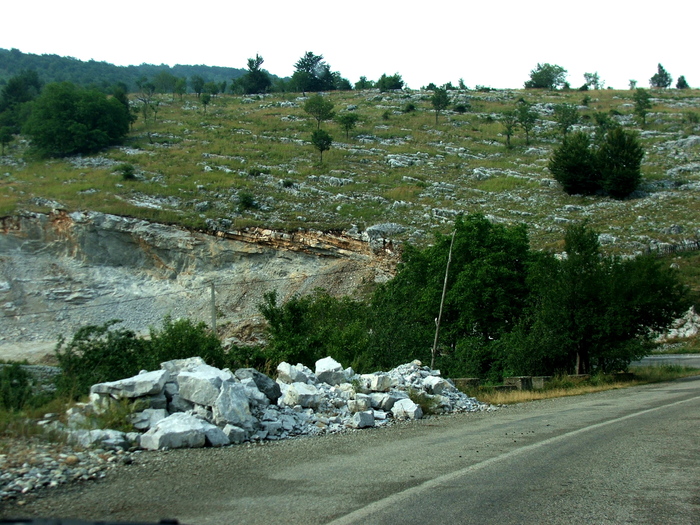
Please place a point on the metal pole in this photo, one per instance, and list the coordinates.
(442, 302)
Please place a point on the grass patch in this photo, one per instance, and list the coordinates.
(564, 386)
(498, 184)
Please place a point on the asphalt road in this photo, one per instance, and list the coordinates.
(625, 456)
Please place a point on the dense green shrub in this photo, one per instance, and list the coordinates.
(613, 164)
(97, 354)
(66, 120)
(181, 339)
(15, 387)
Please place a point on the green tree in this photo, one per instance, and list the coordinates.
(15, 97)
(312, 73)
(440, 100)
(307, 328)
(642, 104)
(197, 83)
(363, 83)
(485, 293)
(593, 81)
(589, 312)
(180, 87)
(321, 140)
(527, 118)
(5, 138)
(573, 165)
(662, 78)
(619, 162)
(256, 80)
(347, 121)
(682, 83)
(509, 121)
(319, 108)
(205, 99)
(566, 116)
(389, 83)
(66, 120)
(164, 82)
(546, 76)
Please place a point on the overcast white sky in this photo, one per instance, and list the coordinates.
(492, 43)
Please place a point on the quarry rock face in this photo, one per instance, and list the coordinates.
(188, 403)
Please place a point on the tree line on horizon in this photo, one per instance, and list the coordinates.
(312, 73)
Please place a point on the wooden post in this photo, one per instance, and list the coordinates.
(442, 302)
(213, 308)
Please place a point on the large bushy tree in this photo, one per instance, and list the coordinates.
(320, 108)
(661, 79)
(389, 82)
(546, 76)
(66, 119)
(613, 165)
(589, 312)
(256, 80)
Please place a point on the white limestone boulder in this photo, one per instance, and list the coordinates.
(143, 384)
(361, 403)
(406, 409)
(288, 374)
(437, 385)
(330, 371)
(265, 384)
(183, 431)
(201, 385)
(148, 418)
(301, 394)
(232, 406)
(361, 420)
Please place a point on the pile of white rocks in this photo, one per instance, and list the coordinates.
(188, 403)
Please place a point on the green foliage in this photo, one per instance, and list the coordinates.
(5, 138)
(306, 329)
(461, 108)
(642, 104)
(389, 83)
(619, 161)
(347, 121)
(486, 289)
(546, 76)
(573, 165)
(321, 140)
(97, 354)
(662, 78)
(14, 97)
(205, 99)
(589, 312)
(509, 121)
(246, 201)
(363, 83)
(440, 100)
(197, 83)
(256, 80)
(15, 387)
(319, 108)
(682, 83)
(66, 120)
(128, 172)
(527, 118)
(593, 81)
(312, 73)
(566, 116)
(180, 339)
(614, 166)
(410, 107)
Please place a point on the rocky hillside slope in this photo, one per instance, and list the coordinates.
(61, 271)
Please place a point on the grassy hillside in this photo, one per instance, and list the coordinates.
(248, 161)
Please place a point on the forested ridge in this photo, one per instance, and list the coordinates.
(101, 75)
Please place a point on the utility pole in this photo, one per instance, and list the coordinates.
(442, 302)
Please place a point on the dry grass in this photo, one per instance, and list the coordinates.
(641, 376)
